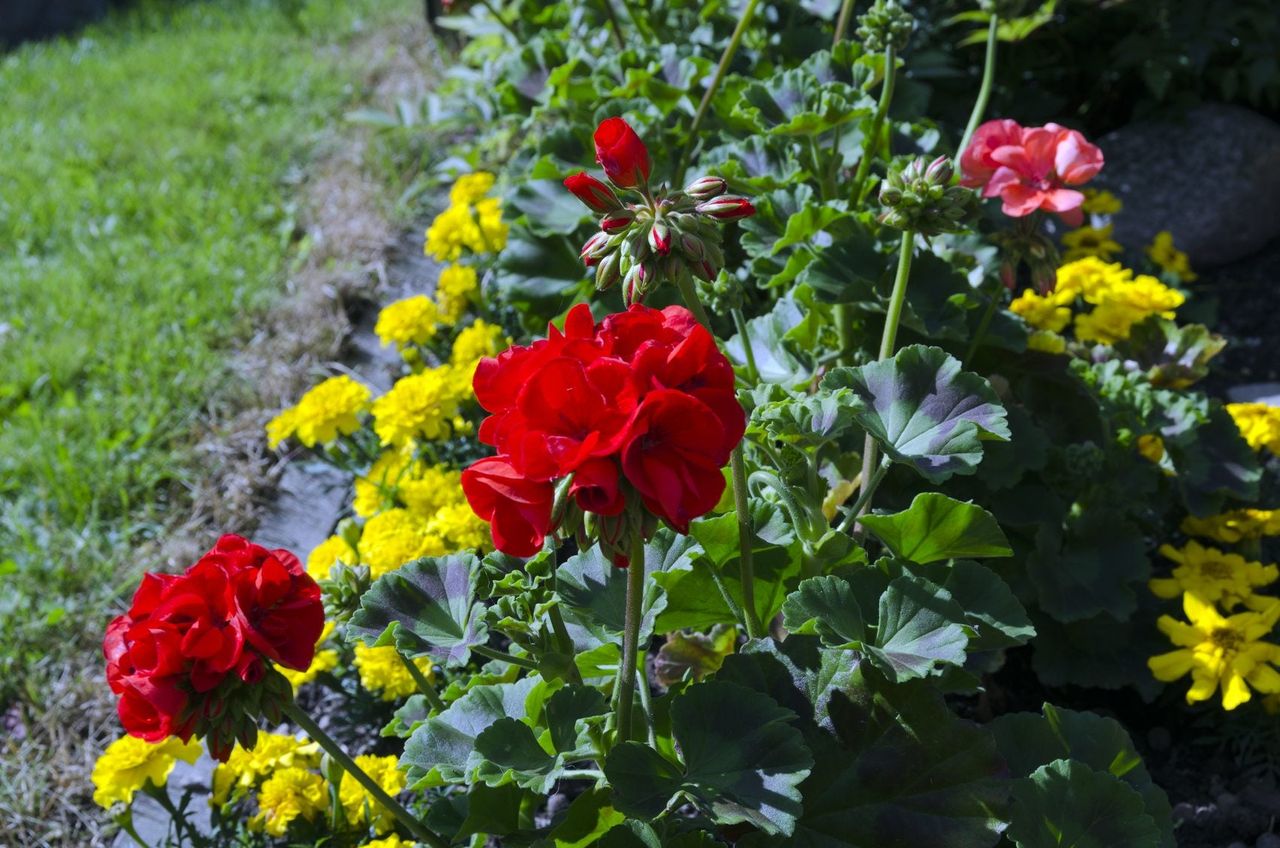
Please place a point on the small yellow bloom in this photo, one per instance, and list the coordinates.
(1219, 652)
(327, 554)
(419, 406)
(1258, 423)
(243, 769)
(1090, 241)
(1107, 323)
(394, 537)
(129, 763)
(392, 841)
(1152, 447)
(452, 230)
(409, 321)
(1090, 278)
(1235, 526)
(1041, 311)
(383, 673)
(474, 343)
(282, 427)
(359, 805)
(1214, 575)
(493, 231)
(1146, 295)
(289, 794)
(324, 412)
(1171, 260)
(470, 188)
(460, 528)
(455, 291)
(1046, 341)
(1101, 202)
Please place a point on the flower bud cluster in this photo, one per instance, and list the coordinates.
(669, 235)
(1030, 247)
(921, 198)
(885, 24)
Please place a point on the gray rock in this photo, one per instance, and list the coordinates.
(1213, 180)
(1268, 840)
(1268, 393)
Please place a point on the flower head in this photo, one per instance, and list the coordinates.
(1219, 577)
(289, 794)
(409, 321)
(383, 673)
(1219, 652)
(129, 764)
(1101, 202)
(330, 409)
(393, 537)
(1258, 423)
(1031, 168)
(246, 767)
(471, 188)
(1234, 526)
(456, 289)
(1171, 260)
(1090, 241)
(420, 406)
(358, 805)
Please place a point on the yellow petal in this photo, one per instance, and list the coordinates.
(1165, 587)
(1234, 691)
(1172, 665)
(1264, 678)
(1203, 685)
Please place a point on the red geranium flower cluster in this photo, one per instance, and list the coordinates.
(1029, 168)
(191, 643)
(643, 403)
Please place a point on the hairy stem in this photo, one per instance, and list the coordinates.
(864, 496)
(424, 685)
(502, 656)
(565, 642)
(630, 638)
(842, 22)
(872, 142)
(725, 58)
(419, 830)
(984, 91)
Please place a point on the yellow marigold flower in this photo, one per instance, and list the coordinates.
(1219, 652)
(1090, 241)
(1258, 423)
(455, 291)
(409, 321)
(383, 673)
(129, 763)
(322, 661)
(1163, 252)
(1217, 576)
(394, 537)
(431, 488)
(282, 427)
(1151, 447)
(1046, 341)
(289, 794)
(376, 489)
(470, 188)
(392, 841)
(243, 769)
(474, 343)
(1041, 312)
(1234, 526)
(1107, 323)
(359, 806)
(1101, 202)
(327, 554)
(1090, 278)
(493, 231)
(460, 528)
(417, 406)
(324, 412)
(451, 231)
(1147, 295)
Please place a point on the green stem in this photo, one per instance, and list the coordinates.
(502, 656)
(737, 466)
(887, 342)
(981, 332)
(424, 685)
(565, 641)
(180, 824)
(734, 609)
(630, 638)
(872, 142)
(864, 496)
(842, 22)
(613, 23)
(125, 820)
(419, 830)
(725, 58)
(984, 92)
(646, 704)
(740, 323)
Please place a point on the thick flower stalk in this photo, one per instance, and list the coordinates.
(194, 653)
(664, 235)
(611, 426)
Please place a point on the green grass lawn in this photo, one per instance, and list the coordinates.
(147, 170)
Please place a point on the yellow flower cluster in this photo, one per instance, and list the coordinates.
(383, 673)
(472, 222)
(1118, 300)
(407, 322)
(1239, 525)
(359, 806)
(456, 289)
(1219, 577)
(420, 406)
(245, 769)
(1090, 241)
(1101, 202)
(130, 764)
(1259, 424)
(1164, 254)
(287, 795)
(329, 409)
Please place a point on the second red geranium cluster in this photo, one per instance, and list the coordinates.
(642, 403)
(192, 643)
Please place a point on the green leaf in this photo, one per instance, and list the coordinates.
(797, 673)
(989, 605)
(805, 420)
(1091, 568)
(826, 607)
(511, 754)
(491, 811)
(1174, 355)
(742, 761)
(631, 834)
(566, 708)
(796, 102)
(589, 817)
(689, 655)
(924, 411)
(428, 606)
(848, 270)
(1028, 741)
(936, 527)
(919, 630)
(1066, 804)
(775, 361)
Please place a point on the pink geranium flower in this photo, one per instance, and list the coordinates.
(1030, 168)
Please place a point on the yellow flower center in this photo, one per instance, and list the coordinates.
(1216, 569)
(1225, 638)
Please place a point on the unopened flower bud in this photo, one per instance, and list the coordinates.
(705, 188)
(607, 272)
(595, 194)
(885, 24)
(727, 208)
(617, 221)
(660, 238)
(692, 246)
(594, 249)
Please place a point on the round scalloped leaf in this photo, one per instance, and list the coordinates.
(919, 630)
(924, 410)
(1066, 804)
(427, 606)
(936, 527)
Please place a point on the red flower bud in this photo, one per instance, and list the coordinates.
(621, 153)
(727, 208)
(660, 238)
(618, 221)
(705, 188)
(598, 196)
(594, 249)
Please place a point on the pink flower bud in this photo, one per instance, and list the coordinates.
(617, 221)
(598, 196)
(727, 208)
(594, 249)
(660, 238)
(705, 188)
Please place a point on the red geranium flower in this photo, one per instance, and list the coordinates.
(518, 509)
(621, 153)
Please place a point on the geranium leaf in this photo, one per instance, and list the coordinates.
(1089, 567)
(924, 411)
(989, 605)
(511, 754)
(797, 673)
(428, 606)
(590, 816)
(800, 419)
(565, 709)
(826, 607)
(493, 811)
(691, 655)
(937, 527)
(919, 630)
(1066, 804)
(742, 760)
